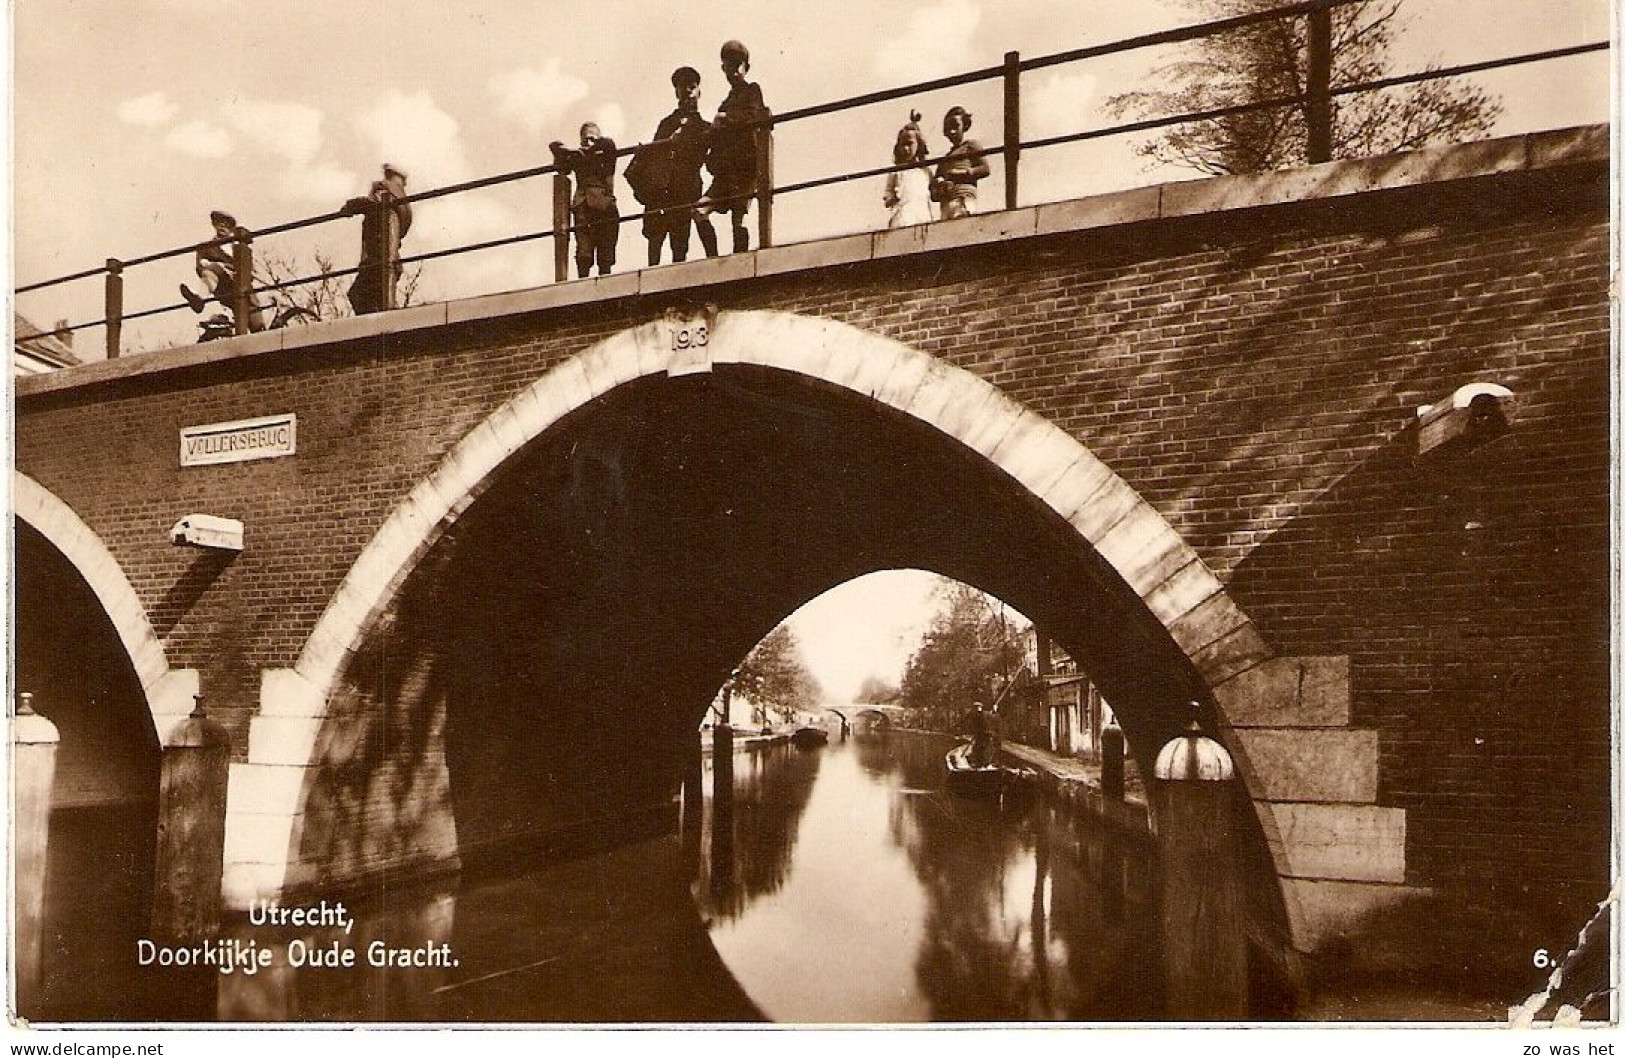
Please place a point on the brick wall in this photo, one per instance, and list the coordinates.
(1252, 373)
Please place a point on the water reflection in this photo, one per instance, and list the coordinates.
(752, 840)
(838, 885)
(909, 904)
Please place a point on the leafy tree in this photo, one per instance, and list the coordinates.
(774, 676)
(1269, 61)
(969, 653)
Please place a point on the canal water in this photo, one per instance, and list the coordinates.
(840, 885)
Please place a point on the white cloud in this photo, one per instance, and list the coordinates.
(149, 111)
(866, 627)
(321, 181)
(293, 133)
(936, 42)
(412, 131)
(536, 100)
(1059, 104)
(611, 120)
(288, 130)
(200, 139)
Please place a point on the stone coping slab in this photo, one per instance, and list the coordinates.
(1215, 195)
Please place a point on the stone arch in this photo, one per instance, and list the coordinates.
(1053, 466)
(168, 691)
(1250, 690)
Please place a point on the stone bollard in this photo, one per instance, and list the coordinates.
(1204, 937)
(191, 830)
(34, 741)
(1111, 761)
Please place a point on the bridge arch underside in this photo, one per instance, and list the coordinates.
(547, 663)
(102, 824)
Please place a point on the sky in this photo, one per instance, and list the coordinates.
(866, 627)
(132, 119)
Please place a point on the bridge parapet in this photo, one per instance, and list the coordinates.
(1327, 183)
(1204, 404)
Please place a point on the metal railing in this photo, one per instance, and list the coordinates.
(1315, 101)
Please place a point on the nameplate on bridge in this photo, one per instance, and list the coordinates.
(240, 441)
(688, 340)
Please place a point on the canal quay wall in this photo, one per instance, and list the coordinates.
(1076, 784)
(1176, 426)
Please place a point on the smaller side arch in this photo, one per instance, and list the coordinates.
(169, 692)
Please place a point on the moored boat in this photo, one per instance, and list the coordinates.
(809, 738)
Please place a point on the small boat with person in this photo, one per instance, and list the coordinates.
(967, 777)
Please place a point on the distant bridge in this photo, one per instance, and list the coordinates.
(848, 713)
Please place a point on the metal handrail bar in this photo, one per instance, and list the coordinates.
(1183, 33)
(475, 247)
(1180, 34)
(1470, 67)
(1285, 101)
(851, 102)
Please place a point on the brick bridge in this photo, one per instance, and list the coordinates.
(523, 538)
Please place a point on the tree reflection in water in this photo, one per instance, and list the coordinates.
(855, 890)
(1018, 920)
(752, 857)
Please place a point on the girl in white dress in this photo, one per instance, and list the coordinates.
(908, 191)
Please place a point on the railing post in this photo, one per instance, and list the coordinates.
(1012, 127)
(1318, 85)
(388, 253)
(242, 258)
(764, 186)
(561, 227)
(115, 306)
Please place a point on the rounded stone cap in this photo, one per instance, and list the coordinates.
(1194, 756)
(198, 731)
(32, 729)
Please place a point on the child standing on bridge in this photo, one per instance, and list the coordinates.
(908, 191)
(383, 204)
(732, 160)
(955, 183)
(665, 176)
(597, 219)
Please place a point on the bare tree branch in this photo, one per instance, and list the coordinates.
(1269, 61)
